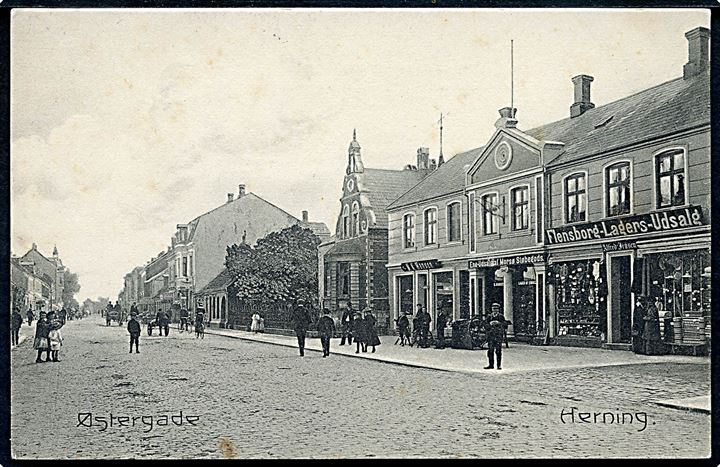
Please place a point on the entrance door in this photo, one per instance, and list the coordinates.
(620, 300)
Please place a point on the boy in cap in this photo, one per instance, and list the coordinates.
(133, 328)
(326, 328)
(495, 325)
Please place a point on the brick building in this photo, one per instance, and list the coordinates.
(353, 264)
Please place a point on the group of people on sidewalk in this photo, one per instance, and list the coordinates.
(358, 326)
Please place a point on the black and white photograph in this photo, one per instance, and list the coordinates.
(341, 233)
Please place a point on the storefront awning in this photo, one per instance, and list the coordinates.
(667, 245)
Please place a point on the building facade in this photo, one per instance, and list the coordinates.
(568, 224)
(51, 272)
(353, 263)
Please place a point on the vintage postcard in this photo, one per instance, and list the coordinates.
(346, 233)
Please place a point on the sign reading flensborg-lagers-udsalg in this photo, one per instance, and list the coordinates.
(616, 228)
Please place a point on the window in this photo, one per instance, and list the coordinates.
(454, 222)
(471, 220)
(343, 279)
(346, 222)
(356, 219)
(431, 226)
(617, 189)
(520, 208)
(575, 197)
(409, 230)
(489, 205)
(191, 264)
(670, 178)
(185, 266)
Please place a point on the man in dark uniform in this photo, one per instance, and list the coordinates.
(326, 329)
(441, 323)
(495, 325)
(30, 316)
(425, 330)
(347, 323)
(133, 328)
(184, 319)
(300, 319)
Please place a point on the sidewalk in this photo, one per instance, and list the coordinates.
(517, 358)
(21, 339)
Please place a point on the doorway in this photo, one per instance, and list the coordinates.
(620, 278)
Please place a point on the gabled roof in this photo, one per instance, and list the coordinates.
(220, 282)
(448, 178)
(385, 186)
(318, 228)
(662, 110)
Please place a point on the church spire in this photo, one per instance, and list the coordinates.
(441, 159)
(55, 251)
(355, 164)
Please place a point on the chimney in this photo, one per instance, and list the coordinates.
(304, 216)
(423, 158)
(582, 95)
(241, 190)
(507, 118)
(433, 164)
(231, 197)
(698, 48)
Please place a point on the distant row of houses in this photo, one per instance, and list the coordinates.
(37, 281)
(191, 272)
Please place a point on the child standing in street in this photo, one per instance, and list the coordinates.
(133, 328)
(56, 339)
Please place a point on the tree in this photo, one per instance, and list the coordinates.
(280, 268)
(71, 286)
(18, 294)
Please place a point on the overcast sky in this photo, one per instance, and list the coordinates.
(126, 123)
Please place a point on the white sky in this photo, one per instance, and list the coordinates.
(126, 123)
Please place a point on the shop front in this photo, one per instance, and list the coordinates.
(435, 286)
(517, 284)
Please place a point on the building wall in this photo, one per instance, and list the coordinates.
(697, 187)
(225, 226)
(397, 253)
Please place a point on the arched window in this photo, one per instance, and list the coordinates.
(346, 221)
(454, 222)
(356, 218)
(430, 225)
(617, 189)
(575, 197)
(409, 230)
(670, 178)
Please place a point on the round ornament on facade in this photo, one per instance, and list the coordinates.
(503, 155)
(350, 185)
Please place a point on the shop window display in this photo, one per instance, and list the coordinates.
(680, 282)
(524, 312)
(580, 298)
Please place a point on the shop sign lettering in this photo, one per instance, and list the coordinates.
(614, 228)
(619, 246)
(420, 265)
(506, 261)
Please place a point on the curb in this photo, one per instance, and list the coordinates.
(686, 408)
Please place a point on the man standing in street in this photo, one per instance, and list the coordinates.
(133, 328)
(30, 316)
(347, 321)
(63, 316)
(16, 322)
(495, 325)
(326, 329)
(441, 323)
(300, 319)
(184, 319)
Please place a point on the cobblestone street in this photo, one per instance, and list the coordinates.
(257, 400)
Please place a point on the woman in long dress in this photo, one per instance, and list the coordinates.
(255, 325)
(359, 333)
(651, 333)
(370, 331)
